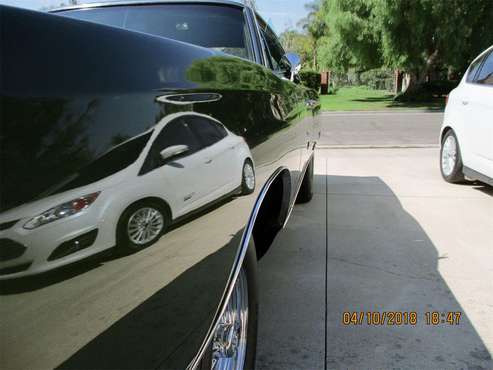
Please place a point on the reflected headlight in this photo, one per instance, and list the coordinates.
(63, 210)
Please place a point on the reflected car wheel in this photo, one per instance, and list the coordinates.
(141, 225)
(450, 159)
(247, 178)
(234, 341)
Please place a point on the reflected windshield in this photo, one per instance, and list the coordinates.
(220, 28)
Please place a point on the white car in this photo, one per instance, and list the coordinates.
(129, 195)
(466, 136)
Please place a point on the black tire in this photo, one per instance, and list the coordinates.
(305, 193)
(250, 268)
(245, 189)
(124, 241)
(456, 175)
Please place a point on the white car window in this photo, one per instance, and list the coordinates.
(485, 75)
(473, 69)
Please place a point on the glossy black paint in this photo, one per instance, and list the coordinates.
(70, 92)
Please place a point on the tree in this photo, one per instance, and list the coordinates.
(298, 43)
(350, 41)
(314, 26)
(421, 35)
(416, 36)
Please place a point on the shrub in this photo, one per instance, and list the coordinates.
(378, 79)
(310, 79)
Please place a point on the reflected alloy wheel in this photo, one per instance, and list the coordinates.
(450, 158)
(229, 344)
(234, 339)
(145, 225)
(141, 225)
(247, 178)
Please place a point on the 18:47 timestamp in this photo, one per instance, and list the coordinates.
(437, 318)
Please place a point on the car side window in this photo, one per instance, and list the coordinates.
(175, 132)
(206, 131)
(485, 75)
(473, 69)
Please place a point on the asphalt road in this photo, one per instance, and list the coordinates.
(383, 233)
(415, 128)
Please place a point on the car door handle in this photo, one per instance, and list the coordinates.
(208, 161)
(465, 102)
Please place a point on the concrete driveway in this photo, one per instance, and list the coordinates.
(383, 233)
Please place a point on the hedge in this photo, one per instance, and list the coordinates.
(310, 79)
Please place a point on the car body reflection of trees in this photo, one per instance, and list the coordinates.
(133, 192)
(87, 147)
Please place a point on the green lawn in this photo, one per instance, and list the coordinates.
(362, 98)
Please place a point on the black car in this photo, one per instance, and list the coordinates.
(119, 246)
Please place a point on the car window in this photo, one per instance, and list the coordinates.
(273, 49)
(207, 132)
(471, 72)
(270, 62)
(222, 28)
(109, 163)
(175, 132)
(485, 75)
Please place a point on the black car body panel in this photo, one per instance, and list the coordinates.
(71, 92)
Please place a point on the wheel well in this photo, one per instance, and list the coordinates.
(160, 201)
(272, 213)
(444, 132)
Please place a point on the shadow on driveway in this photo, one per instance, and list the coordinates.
(354, 248)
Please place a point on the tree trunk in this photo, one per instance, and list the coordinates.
(416, 78)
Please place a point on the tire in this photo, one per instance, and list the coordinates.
(248, 275)
(247, 178)
(450, 159)
(305, 193)
(139, 213)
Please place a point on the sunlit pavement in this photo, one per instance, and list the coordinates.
(383, 233)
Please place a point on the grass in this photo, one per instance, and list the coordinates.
(363, 98)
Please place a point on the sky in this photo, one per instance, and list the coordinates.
(280, 14)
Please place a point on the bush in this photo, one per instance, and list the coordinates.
(310, 79)
(378, 79)
(332, 90)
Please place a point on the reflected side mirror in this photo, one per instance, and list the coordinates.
(173, 151)
(295, 62)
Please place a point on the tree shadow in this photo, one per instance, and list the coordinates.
(437, 104)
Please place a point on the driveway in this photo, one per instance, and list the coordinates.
(383, 233)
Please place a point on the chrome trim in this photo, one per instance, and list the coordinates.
(143, 2)
(252, 29)
(235, 271)
(260, 41)
(166, 98)
(290, 209)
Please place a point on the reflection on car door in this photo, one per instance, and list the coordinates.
(219, 157)
(180, 181)
(289, 104)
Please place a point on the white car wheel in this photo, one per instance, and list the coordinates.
(248, 178)
(450, 158)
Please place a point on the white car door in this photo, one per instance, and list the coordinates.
(478, 127)
(220, 156)
(180, 181)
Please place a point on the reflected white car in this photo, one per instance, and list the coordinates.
(129, 195)
(466, 136)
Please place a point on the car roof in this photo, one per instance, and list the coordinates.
(238, 3)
